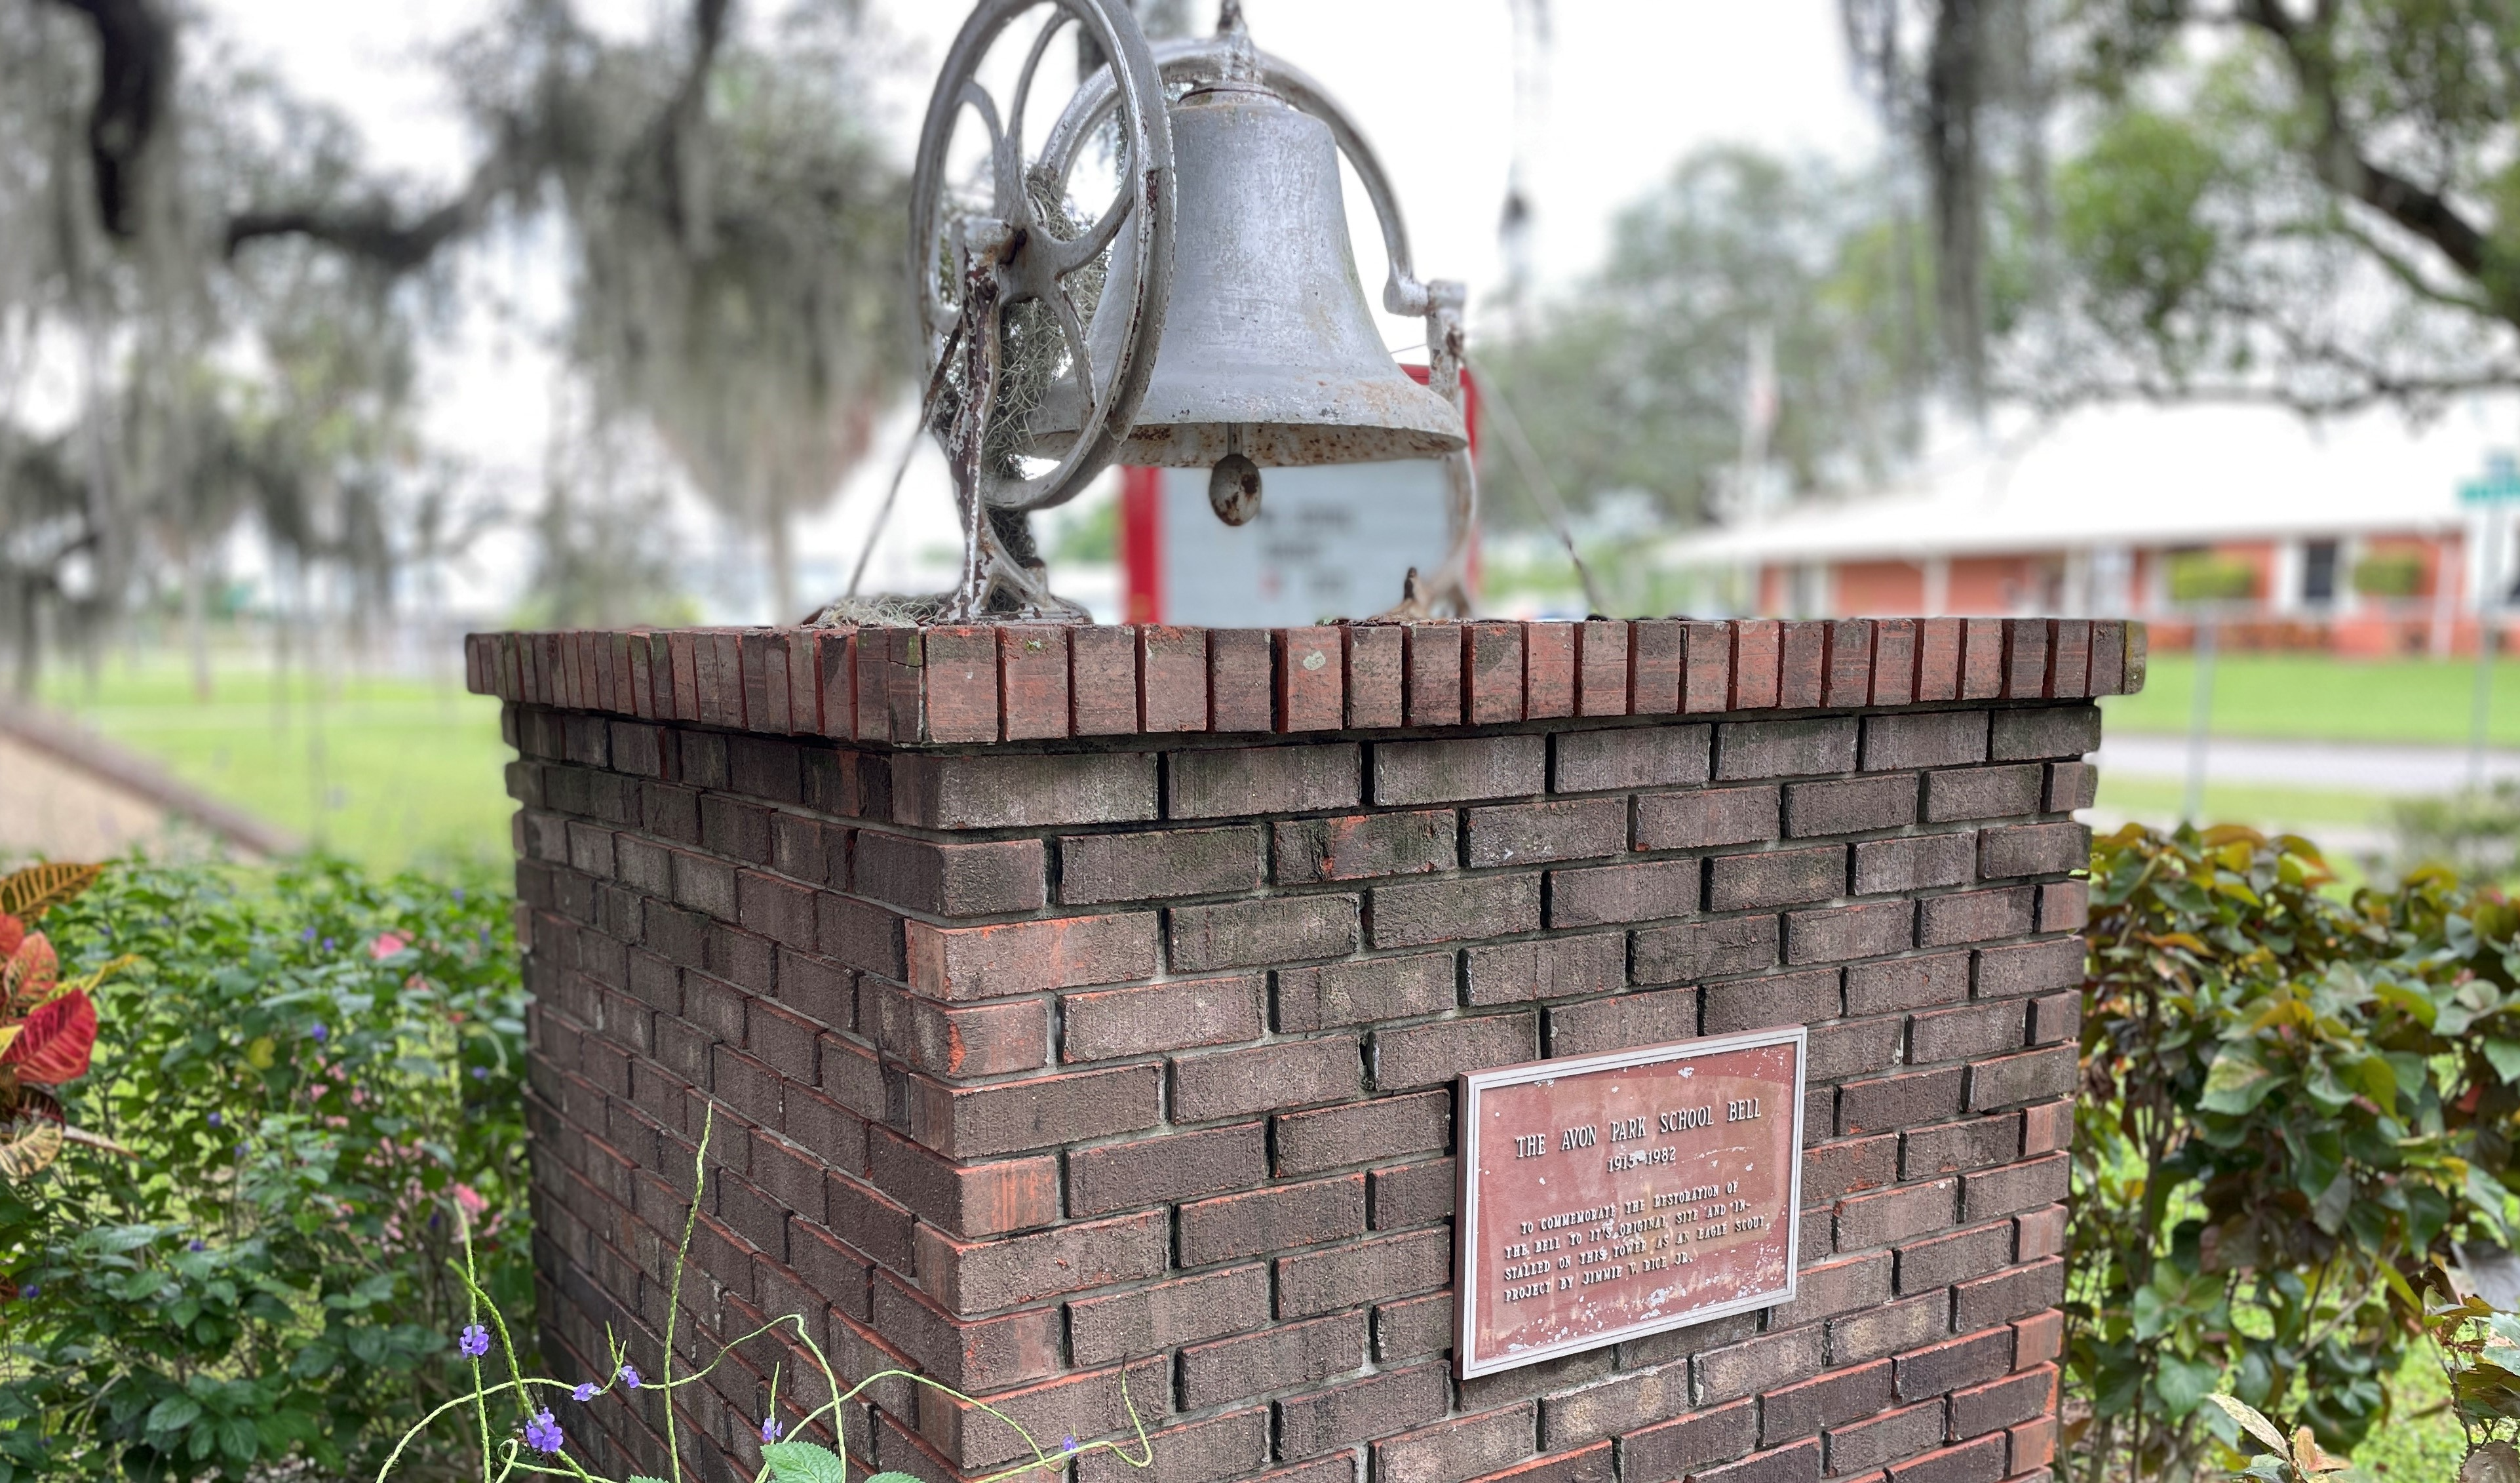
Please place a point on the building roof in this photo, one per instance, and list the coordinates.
(2135, 477)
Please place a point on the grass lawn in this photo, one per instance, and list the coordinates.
(2316, 697)
(387, 771)
(2157, 800)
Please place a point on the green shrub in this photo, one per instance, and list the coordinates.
(2203, 576)
(313, 1070)
(2294, 1105)
(2389, 574)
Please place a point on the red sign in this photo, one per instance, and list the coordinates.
(1613, 1195)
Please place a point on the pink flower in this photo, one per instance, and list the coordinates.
(469, 1199)
(388, 943)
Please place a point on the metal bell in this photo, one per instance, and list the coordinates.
(1268, 349)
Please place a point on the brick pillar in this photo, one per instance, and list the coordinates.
(1081, 1002)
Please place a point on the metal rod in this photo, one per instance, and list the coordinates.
(2200, 717)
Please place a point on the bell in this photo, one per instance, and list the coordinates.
(1269, 353)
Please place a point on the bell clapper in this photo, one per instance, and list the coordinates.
(1234, 482)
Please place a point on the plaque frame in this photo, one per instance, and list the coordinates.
(1466, 1248)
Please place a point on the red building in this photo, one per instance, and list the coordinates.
(2351, 536)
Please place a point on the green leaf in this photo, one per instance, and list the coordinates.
(2185, 1385)
(2506, 1057)
(2235, 1084)
(2258, 1425)
(803, 1462)
(173, 1413)
(892, 1477)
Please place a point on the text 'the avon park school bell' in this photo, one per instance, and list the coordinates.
(1209, 314)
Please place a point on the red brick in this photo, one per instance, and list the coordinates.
(1826, 1289)
(1103, 680)
(1434, 659)
(1705, 818)
(1914, 863)
(972, 1439)
(2038, 1338)
(1426, 1055)
(1516, 834)
(1414, 1326)
(1363, 1272)
(1802, 665)
(2014, 850)
(2072, 786)
(1890, 1437)
(1622, 1021)
(1890, 1328)
(1411, 1194)
(1909, 983)
(1457, 1449)
(2046, 731)
(1557, 967)
(2017, 1188)
(1548, 670)
(1808, 1407)
(2108, 658)
(1894, 660)
(1422, 912)
(1761, 749)
(1277, 1358)
(979, 878)
(1907, 1099)
(1849, 662)
(1017, 790)
(1755, 659)
(1025, 957)
(1981, 668)
(1980, 793)
(1889, 1217)
(1256, 933)
(1778, 878)
(1360, 1411)
(960, 676)
(1172, 678)
(835, 652)
(1241, 679)
(1953, 1365)
(1963, 1255)
(1783, 999)
(1600, 894)
(2025, 657)
(1363, 991)
(1694, 951)
(1376, 675)
(980, 1276)
(1266, 1077)
(1957, 1147)
(982, 1040)
(1166, 1167)
(2047, 1127)
(1312, 680)
(2069, 658)
(1978, 1462)
(1630, 756)
(1183, 1311)
(1938, 659)
(1456, 771)
(1272, 1219)
(1098, 869)
(1974, 916)
(965, 1200)
(1492, 673)
(1017, 1117)
(1171, 1017)
(2010, 1295)
(2040, 1233)
(1850, 804)
(2030, 967)
(1359, 846)
(1967, 1033)
(1332, 1138)
(2032, 1446)
(1756, 1365)
(1689, 1442)
(992, 1353)
(1924, 739)
(1838, 933)
(1657, 664)
(1231, 781)
(1234, 1445)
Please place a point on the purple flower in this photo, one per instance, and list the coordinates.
(542, 1433)
(476, 1341)
(1068, 1443)
(216, 1120)
(459, 896)
(328, 944)
(630, 1377)
(306, 935)
(480, 1072)
(770, 1429)
(196, 1244)
(320, 1033)
(31, 1290)
(584, 1393)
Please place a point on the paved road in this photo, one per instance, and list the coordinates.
(2358, 767)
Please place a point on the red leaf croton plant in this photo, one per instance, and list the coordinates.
(47, 1023)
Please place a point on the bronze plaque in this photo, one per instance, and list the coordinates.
(1608, 1196)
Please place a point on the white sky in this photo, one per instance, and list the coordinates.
(1634, 86)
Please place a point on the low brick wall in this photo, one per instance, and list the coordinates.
(1085, 1002)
